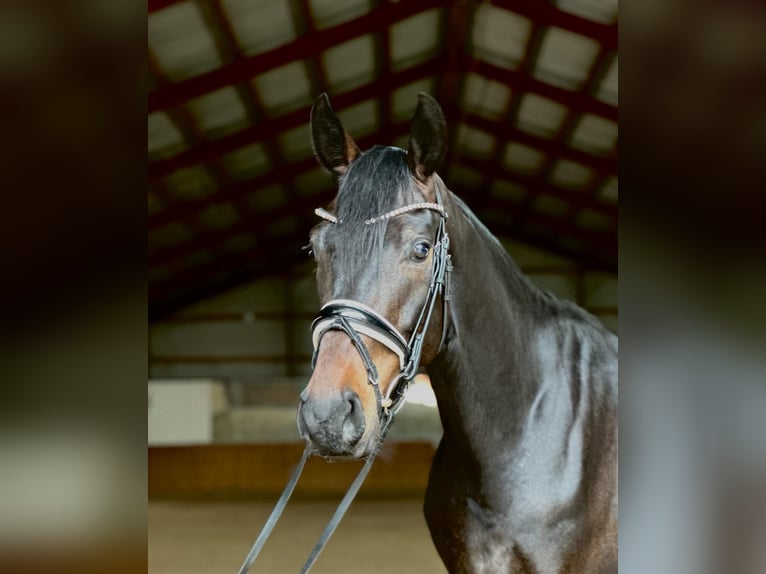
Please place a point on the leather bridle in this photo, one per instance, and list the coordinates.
(356, 319)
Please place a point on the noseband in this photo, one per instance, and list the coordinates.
(355, 318)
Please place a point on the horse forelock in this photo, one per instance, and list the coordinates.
(377, 181)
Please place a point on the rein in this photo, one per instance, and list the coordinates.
(356, 319)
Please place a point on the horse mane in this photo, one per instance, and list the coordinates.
(544, 304)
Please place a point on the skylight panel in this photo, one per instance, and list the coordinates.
(571, 175)
(219, 216)
(259, 25)
(350, 64)
(190, 182)
(404, 99)
(594, 134)
(499, 36)
(565, 58)
(218, 112)
(329, 13)
(523, 159)
(541, 116)
(163, 135)
(361, 119)
(284, 89)
(607, 90)
(473, 142)
(246, 162)
(415, 39)
(597, 10)
(181, 43)
(484, 97)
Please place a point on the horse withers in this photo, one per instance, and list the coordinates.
(525, 476)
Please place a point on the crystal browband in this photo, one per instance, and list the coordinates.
(324, 214)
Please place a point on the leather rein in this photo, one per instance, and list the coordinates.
(356, 319)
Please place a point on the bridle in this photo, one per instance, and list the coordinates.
(356, 319)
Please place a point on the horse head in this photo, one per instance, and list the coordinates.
(377, 251)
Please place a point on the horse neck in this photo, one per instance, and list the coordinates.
(483, 377)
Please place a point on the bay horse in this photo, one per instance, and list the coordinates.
(524, 479)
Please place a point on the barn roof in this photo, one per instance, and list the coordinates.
(529, 89)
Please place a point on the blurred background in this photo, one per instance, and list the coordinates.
(529, 90)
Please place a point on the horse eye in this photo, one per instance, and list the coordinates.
(420, 251)
(310, 250)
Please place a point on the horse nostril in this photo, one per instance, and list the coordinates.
(353, 424)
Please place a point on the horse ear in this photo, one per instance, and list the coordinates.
(428, 138)
(333, 147)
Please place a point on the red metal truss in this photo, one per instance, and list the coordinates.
(154, 5)
(546, 14)
(542, 13)
(536, 185)
(251, 223)
(550, 147)
(521, 81)
(302, 48)
(243, 188)
(270, 129)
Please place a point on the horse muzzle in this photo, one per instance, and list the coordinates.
(333, 425)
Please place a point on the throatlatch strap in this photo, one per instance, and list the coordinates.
(271, 522)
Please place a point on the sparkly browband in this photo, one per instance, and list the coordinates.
(324, 214)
